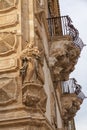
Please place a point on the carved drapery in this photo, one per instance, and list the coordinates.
(63, 57)
(31, 70)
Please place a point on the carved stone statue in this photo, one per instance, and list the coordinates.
(32, 64)
(33, 77)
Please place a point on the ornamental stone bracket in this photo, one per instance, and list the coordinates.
(70, 105)
(34, 96)
(63, 57)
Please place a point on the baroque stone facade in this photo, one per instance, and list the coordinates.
(35, 57)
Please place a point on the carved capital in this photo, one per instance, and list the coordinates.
(63, 57)
(70, 105)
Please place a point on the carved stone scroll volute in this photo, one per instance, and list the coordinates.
(33, 78)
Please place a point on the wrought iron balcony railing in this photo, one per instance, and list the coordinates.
(61, 26)
(71, 86)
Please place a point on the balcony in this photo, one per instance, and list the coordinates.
(65, 47)
(62, 26)
(72, 98)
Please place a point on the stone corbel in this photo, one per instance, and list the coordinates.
(70, 105)
(63, 57)
(34, 96)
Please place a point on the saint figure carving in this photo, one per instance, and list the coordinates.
(32, 64)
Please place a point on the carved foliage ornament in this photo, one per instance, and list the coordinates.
(6, 5)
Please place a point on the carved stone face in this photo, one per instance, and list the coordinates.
(4, 4)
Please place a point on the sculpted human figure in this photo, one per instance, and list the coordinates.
(31, 70)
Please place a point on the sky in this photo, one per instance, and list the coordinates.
(77, 10)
